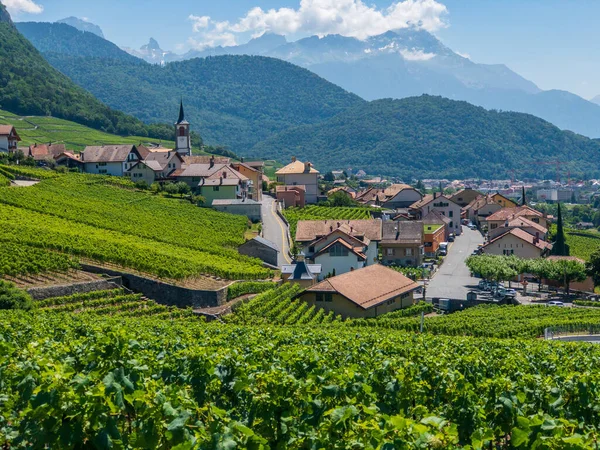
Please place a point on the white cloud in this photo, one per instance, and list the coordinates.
(351, 18)
(416, 55)
(23, 6)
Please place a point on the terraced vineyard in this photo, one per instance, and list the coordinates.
(101, 219)
(36, 129)
(293, 215)
(18, 259)
(148, 383)
(115, 303)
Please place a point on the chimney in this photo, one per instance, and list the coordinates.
(293, 159)
(212, 162)
(339, 224)
(330, 228)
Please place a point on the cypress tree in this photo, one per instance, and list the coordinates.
(523, 198)
(441, 189)
(560, 245)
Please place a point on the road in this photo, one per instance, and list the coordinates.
(453, 279)
(275, 229)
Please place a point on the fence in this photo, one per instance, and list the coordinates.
(574, 331)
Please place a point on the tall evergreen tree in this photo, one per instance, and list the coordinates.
(523, 198)
(560, 245)
(441, 189)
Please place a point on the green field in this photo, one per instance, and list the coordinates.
(106, 220)
(41, 130)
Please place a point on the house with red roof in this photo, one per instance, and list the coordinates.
(9, 139)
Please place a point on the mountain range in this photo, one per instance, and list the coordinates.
(152, 53)
(235, 101)
(83, 25)
(265, 107)
(409, 62)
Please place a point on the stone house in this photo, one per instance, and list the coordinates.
(262, 249)
(402, 243)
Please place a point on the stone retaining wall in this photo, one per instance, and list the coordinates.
(42, 293)
(165, 293)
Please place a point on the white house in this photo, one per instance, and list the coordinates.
(518, 242)
(339, 246)
(8, 139)
(156, 165)
(443, 205)
(110, 159)
(303, 174)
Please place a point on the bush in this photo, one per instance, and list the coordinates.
(142, 185)
(13, 298)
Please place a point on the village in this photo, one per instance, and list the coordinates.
(407, 244)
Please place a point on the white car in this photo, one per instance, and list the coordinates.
(555, 303)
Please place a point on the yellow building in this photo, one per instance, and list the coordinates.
(503, 201)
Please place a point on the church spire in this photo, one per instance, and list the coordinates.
(181, 114)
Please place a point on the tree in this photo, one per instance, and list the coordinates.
(566, 271)
(420, 186)
(523, 197)
(560, 246)
(13, 298)
(183, 188)
(329, 177)
(593, 267)
(573, 197)
(339, 198)
(171, 189)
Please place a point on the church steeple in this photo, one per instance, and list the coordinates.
(181, 114)
(182, 134)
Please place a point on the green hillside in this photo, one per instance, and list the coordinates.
(36, 129)
(423, 137)
(232, 100)
(29, 85)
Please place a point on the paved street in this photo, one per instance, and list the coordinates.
(274, 229)
(454, 280)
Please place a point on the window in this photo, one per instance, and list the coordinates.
(103, 171)
(493, 226)
(338, 250)
(391, 302)
(102, 164)
(216, 188)
(390, 252)
(328, 298)
(508, 252)
(181, 131)
(451, 224)
(408, 252)
(406, 295)
(451, 214)
(319, 297)
(311, 249)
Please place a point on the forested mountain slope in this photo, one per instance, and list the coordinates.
(426, 136)
(231, 100)
(29, 85)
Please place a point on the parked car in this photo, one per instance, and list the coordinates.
(483, 285)
(555, 303)
(443, 252)
(510, 293)
(451, 237)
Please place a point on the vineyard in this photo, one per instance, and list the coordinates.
(75, 136)
(582, 244)
(18, 259)
(293, 215)
(99, 218)
(115, 303)
(142, 382)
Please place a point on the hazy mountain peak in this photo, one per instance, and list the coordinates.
(151, 45)
(83, 25)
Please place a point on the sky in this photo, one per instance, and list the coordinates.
(550, 42)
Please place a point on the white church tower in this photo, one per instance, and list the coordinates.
(183, 140)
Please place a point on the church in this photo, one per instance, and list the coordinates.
(183, 141)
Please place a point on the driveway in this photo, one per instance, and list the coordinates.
(453, 279)
(275, 229)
